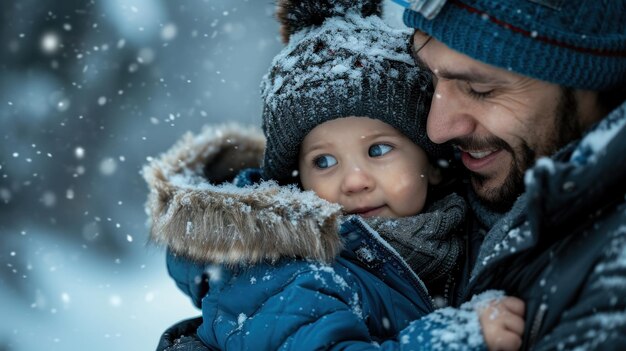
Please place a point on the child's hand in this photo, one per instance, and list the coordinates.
(502, 323)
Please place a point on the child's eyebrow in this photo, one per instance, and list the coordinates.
(316, 146)
(380, 134)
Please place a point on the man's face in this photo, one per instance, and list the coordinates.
(499, 120)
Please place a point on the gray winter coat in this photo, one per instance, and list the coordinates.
(562, 248)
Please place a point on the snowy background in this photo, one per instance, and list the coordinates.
(89, 91)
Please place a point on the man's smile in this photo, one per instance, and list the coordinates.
(478, 160)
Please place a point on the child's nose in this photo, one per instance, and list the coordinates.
(356, 180)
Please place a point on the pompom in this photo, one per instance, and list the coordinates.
(295, 15)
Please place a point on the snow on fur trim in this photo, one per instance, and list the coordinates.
(223, 223)
(295, 15)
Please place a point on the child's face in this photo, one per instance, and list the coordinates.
(367, 166)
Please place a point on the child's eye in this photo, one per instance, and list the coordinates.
(324, 161)
(378, 150)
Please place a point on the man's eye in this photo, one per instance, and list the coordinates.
(478, 93)
(324, 161)
(378, 150)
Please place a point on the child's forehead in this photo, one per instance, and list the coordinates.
(349, 129)
(364, 124)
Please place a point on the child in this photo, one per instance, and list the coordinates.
(344, 114)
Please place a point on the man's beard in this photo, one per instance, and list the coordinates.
(566, 129)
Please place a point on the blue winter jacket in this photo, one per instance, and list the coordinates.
(366, 296)
(234, 251)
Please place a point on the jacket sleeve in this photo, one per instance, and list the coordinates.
(296, 305)
(316, 308)
(446, 328)
(190, 277)
(597, 321)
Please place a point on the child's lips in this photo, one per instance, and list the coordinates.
(366, 211)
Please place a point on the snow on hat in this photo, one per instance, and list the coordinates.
(574, 43)
(341, 60)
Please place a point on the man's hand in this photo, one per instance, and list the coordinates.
(502, 323)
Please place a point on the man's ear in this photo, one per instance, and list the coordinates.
(434, 175)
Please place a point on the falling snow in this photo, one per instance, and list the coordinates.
(89, 94)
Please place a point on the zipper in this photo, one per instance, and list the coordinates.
(415, 280)
(536, 326)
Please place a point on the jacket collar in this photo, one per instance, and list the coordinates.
(580, 182)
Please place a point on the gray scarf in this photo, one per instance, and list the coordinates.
(427, 241)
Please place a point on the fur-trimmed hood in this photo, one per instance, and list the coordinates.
(197, 212)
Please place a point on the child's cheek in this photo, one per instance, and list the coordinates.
(408, 193)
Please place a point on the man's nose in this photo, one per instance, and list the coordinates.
(356, 180)
(450, 116)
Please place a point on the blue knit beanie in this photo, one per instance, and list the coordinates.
(574, 43)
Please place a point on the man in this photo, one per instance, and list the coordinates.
(515, 81)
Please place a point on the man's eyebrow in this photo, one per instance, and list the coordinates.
(468, 76)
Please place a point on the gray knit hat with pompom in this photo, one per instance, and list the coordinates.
(341, 60)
